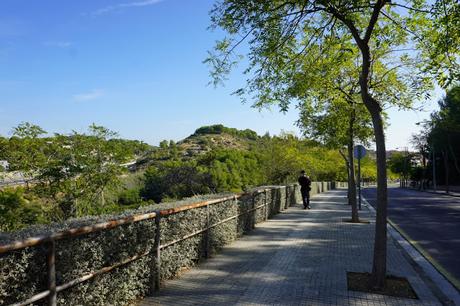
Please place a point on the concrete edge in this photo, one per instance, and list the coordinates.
(436, 192)
(445, 284)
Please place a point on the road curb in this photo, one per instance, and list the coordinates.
(438, 276)
(436, 192)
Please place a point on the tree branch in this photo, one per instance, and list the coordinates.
(409, 8)
(373, 21)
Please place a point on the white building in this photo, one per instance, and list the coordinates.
(4, 165)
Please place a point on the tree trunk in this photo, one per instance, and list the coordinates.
(454, 157)
(347, 166)
(351, 181)
(445, 155)
(380, 241)
(379, 263)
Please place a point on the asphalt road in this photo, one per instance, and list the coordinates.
(432, 220)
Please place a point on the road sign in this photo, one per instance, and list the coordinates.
(359, 151)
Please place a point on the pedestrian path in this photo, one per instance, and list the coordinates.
(300, 257)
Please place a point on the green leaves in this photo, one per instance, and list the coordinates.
(175, 180)
(28, 130)
(440, 42)
(16, 211)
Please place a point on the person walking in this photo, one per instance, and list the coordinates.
(305, 187)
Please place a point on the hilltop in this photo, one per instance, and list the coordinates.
(205, 139)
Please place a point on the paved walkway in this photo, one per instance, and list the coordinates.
(300, 257)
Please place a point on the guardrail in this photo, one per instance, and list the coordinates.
(50, 241)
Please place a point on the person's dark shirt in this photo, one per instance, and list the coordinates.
(304, 182)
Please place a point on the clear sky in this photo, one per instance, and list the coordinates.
(134, 66)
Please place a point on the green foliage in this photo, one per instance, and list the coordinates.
(25, 151)
(270, 160)
(28, 130)
(444, 134)
(284, 156)
(174, 179)
(368, 169)
(79, 169)
(297, 49)
(220, 129)
(70, 172)
(129, 197)
(440, 41)
(232, 170)
(80, 174)
(17, 212)
(401, 163)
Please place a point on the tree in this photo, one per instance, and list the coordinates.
(174, 180)
(79, 168)
(333, 114)
(444, 134)
(233, 170)
(420, 142)
(440, 42)
(28, 130)
(25, 150)
(16, 211)
(402, 164)
(282, 33)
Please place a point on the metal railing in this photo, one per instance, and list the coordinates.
(50, 242)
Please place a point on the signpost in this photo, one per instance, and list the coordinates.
(359, 152)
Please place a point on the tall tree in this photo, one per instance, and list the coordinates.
(79, 168)
(282, 33)
(25, 150)
(445, 132)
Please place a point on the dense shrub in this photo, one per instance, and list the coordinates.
(175, 179)
(130, 196)
(16, 211)
(219, 129)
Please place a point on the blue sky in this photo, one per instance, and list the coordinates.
(134, 66)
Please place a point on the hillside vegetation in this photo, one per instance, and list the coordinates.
(77, 175)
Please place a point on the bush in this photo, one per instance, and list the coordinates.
(129, 197)
(17, 212)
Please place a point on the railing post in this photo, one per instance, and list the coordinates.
(293, 194)
(254, 211)
(286, 205)
(156, 247)
(51, 265)
(266, 206)
(206, 235)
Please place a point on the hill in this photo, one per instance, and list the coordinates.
(208, 138)
(204, 140)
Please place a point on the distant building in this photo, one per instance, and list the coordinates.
(4, 165)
